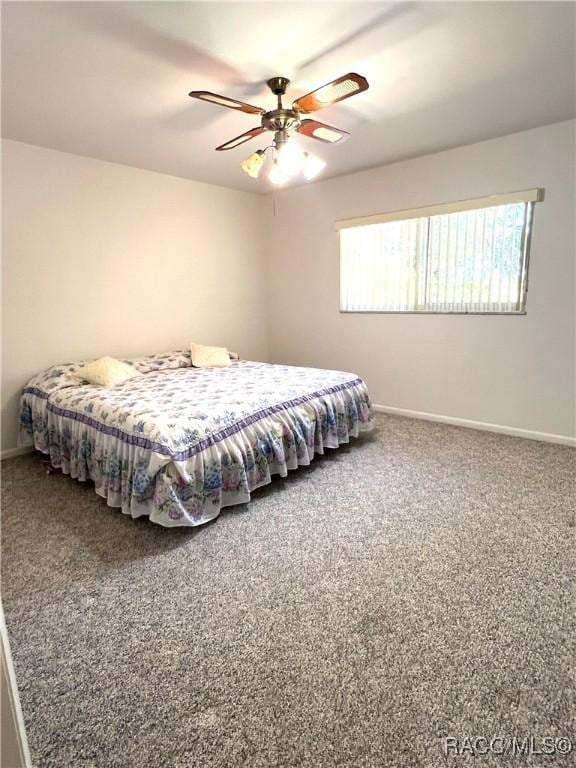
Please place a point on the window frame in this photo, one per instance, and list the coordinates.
(530, 197)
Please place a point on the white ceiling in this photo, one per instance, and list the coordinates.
(110, 79)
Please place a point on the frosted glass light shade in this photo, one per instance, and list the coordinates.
(253, 164)
(277, 175)
(313, 165)
(290, 159)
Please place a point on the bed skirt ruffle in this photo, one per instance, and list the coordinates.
(192, 491)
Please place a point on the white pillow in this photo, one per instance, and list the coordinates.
(209, 357)
(106, 371)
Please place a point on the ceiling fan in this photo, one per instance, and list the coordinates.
(288, 158)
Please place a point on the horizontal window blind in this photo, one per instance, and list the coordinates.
(470, 260)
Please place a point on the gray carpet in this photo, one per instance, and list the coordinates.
(413, 586)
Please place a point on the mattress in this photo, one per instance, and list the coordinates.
(178, 443)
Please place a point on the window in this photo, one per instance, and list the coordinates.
(467, 257)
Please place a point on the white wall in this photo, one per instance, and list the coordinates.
(508, 370)
(104, 259)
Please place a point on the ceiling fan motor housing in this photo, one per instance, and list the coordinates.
(280, 119)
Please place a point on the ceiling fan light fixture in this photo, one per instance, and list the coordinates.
(277, 175)
(313, 165)
(253, 164)
(290, 159)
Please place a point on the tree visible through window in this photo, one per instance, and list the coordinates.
(471, 260)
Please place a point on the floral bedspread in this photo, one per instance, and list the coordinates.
(179, 443)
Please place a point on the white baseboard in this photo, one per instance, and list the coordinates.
(530, 434)
(10, 453)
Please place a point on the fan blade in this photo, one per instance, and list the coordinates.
(241, 139)
(224, 101)
(342, 88)
(321, 131)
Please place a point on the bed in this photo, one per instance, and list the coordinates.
(179, 443)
